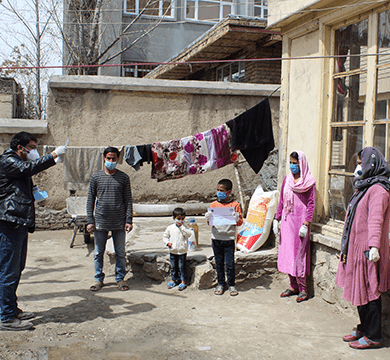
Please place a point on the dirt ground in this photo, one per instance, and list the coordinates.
(151, 322)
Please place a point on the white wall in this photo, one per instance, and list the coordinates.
(281, 9)
(303, 98)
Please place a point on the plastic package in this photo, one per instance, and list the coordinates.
(194, 225)
(258, 223)
(39, 195)
(191, 241)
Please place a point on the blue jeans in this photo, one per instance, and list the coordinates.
(119, 240)
(224, 257)
(13, 253)
(178, 267)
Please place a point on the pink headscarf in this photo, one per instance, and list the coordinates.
(305, 182)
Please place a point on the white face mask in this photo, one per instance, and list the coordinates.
(358, 172)
(33, 155)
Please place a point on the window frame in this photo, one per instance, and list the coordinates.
(221, 3)
(262, 8)
(240, 72)
(161, 10)
(369, 122)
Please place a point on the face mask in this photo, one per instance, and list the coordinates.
(221, 195)
(110, 165)
(294, 168)
(358, 172)
(33, 155)
(179, 222)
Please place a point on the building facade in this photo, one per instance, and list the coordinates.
(342, 73)
(334, 101)
(173, 25)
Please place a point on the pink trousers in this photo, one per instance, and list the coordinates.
(298, 283)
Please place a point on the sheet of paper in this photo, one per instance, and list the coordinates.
(222, 216)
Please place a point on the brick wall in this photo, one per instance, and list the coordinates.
(263, 72)
(256, 72)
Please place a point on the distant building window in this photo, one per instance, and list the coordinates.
(261, 8)
(234, 72)
(156, 8)
(137, 71)
(208, 10)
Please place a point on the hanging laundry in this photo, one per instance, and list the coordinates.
(79, 164)
(222, 144)
(199, 152)
(168, 160)
(146, 153)
(208, 150)
(121, 153)
(252, 134)
(133, 157)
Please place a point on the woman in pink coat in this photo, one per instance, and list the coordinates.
(295, 213)
(364, 269)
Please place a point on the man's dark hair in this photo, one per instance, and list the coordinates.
(21, 138)
(178, 211)
(226, 183)
(294, 155)
(110, 149)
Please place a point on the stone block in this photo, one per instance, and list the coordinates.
(151, 270)
(205, 276)
(163, 265)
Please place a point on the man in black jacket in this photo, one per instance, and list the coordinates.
(17, 217)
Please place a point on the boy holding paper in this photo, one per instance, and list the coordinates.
(223, 234)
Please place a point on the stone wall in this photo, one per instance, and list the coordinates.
(201, 268)
(51, 219)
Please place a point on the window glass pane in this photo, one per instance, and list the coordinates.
(227, 9)
(208, 11)
(340, 191)
(380, 110)
(350, 98)
(152, 9)
(380, 137)
(166, 5)
(257, 11)
(190, 14)
(346, 143)
(384, 37)
(351, 40)
(130, 6)
(383, 72)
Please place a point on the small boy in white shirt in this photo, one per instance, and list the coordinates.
(175, 237)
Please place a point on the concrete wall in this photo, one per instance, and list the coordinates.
(6, 106)
(103, 111)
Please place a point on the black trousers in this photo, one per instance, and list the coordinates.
(371, 320)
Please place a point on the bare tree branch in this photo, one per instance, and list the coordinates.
(123, 32)
(138, 39)
(19, 16)
(95, 27)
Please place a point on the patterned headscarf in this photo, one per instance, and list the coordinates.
(305, 182)
(375, 170)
